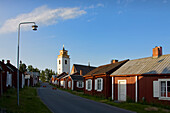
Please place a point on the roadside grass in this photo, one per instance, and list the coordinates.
(132, 106)
(29, 101)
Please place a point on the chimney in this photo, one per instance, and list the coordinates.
(81, 72)
(157, 52)
(8, 61)
(113, 61)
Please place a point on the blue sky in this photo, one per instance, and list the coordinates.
(94, 31)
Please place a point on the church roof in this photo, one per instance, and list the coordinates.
(85, 69)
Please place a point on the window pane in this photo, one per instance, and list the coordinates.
(88, 85)
(163, 89)
(168, 88)
(99, 84)
(80, 84)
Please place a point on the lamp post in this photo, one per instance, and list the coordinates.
(1, 80)
(34, 27)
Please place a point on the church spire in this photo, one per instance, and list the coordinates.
(63, 47)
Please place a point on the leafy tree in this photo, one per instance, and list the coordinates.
(42, 76)
(30, 68)
(48, 74)
(23, 67)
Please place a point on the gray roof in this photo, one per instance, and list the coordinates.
(76, 77)
(149, 65)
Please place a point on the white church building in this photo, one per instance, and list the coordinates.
(63, 62)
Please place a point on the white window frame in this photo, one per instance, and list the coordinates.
(80, 84)
(88, 88)
(64, 84)
(61, 83)
(97, 84)
(69, 84)
(9, 79)
(163, 98)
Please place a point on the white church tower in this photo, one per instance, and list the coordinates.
(63, 62)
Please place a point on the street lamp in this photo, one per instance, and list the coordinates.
(34, 27)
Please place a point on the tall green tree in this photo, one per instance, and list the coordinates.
(42, 76)
(23, 67)
(30, 68)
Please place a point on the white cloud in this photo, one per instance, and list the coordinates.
(94, 6)
(42, 16)
(100, 5)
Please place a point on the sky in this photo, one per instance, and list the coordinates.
(94, 31)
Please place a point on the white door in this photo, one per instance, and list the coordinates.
(122, 90)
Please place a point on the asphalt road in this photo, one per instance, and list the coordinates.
(63, 102)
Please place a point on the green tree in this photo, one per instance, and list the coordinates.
(23, 67)
(48, 74)
(42, 76)
(30, 68)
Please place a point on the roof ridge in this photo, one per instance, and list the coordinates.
(149, 57)
(83, 65)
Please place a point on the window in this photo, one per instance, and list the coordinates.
(65, 61)
(80, 84)
(99, 84)
(89, 84)
(162, 89)
(59, 62)
(165, 89)
(69, 84)
(62, 83)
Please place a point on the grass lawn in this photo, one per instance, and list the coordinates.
(132, 106)
(29, 101)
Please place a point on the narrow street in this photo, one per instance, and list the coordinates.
(63, 102)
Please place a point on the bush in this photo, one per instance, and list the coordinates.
(129, 100)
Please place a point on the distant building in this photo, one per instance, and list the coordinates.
(63, 62)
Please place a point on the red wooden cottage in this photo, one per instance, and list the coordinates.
(3, 77)
(143, 79)
(98, 81)
(53, 79)
(59, 81)
(6, 77)
(75, 81)
(13, 70)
